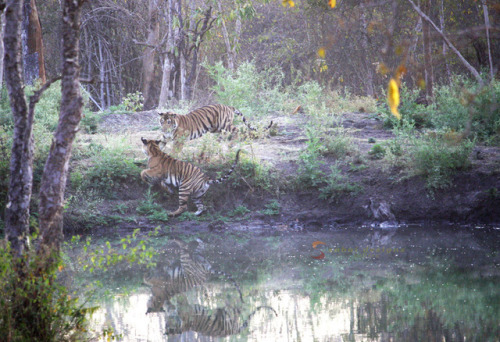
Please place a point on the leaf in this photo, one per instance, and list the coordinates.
(321, 52)
(332, 3)
(288, 3)
(393, 97)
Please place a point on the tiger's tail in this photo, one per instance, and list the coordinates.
(226, 176)
(250, 127)
(231, 279)
(245, 323)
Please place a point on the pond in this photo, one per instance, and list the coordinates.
(411, 283)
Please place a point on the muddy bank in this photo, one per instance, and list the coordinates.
(384, 196)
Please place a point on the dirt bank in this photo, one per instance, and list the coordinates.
(386, 195)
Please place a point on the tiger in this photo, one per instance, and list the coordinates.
(171, 173)
(212, 118)
(219, 322)
(186, 273)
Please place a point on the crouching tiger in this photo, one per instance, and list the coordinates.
(173, 174)
(212, 118)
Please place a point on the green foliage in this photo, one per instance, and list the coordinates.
(34, 306)
(239, 211)
(151, 208)
(272, 208)
(252, 92)
(310, 173)
(133, 101)
(110, 169)
(438, 161)
(337, 185)
(377, 151)
(411, 112)
(461, 101)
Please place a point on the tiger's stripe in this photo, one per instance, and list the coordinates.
(171, 173)
(181, 277)
(220, 322)
(211, 118)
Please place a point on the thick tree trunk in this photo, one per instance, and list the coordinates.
(368, 79)
(56, 168)
(168, 64)
(428, 72)
(21, 162)
(34, 64)
(148, 59)
(2, 50)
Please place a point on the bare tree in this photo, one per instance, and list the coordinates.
(21, 162)
(428, 71)
(56, 168)
(148, 58)
(487, 24)
(34, 62)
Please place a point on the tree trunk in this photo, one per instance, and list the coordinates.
(445, 48)
(168, 65)
(56, 168)
(102, 71)
(148, 59)
(34, 64)
(469, 67)
(428, 72)
(2, 50)
(487, 24)
(368, 79)
(21, 162)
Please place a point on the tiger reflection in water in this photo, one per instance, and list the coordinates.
(219, 322)
(189, 271)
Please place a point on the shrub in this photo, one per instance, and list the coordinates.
(110, 169)
(253, 93)
(438, 161)
(337, 185)
(35, 307)
(411, 112)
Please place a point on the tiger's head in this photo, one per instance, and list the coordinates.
(168, 122)
(151, 147)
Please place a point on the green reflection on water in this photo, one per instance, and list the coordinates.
(421, 291)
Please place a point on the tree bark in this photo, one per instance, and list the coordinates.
(34, 64)
(21, 163)
(56, 168)
(368, 79)
(428, 72)
(487, 24)
(168, 66)
(148, 58)
(2, 31)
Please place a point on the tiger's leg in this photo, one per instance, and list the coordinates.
(197, 196)
(177, 146)
(183, 200)
(168, 187)
(145, 176)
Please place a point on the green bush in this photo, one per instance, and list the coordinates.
(411, 112)
(110, 169)
(35, 307)
(253, 93)
(438, 161)
(337, 185)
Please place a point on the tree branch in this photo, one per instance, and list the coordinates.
(473, 71)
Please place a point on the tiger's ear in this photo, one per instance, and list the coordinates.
(158, 142)
(144, 141)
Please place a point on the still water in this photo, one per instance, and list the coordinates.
(413, 283)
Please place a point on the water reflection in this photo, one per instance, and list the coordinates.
(433, 285)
